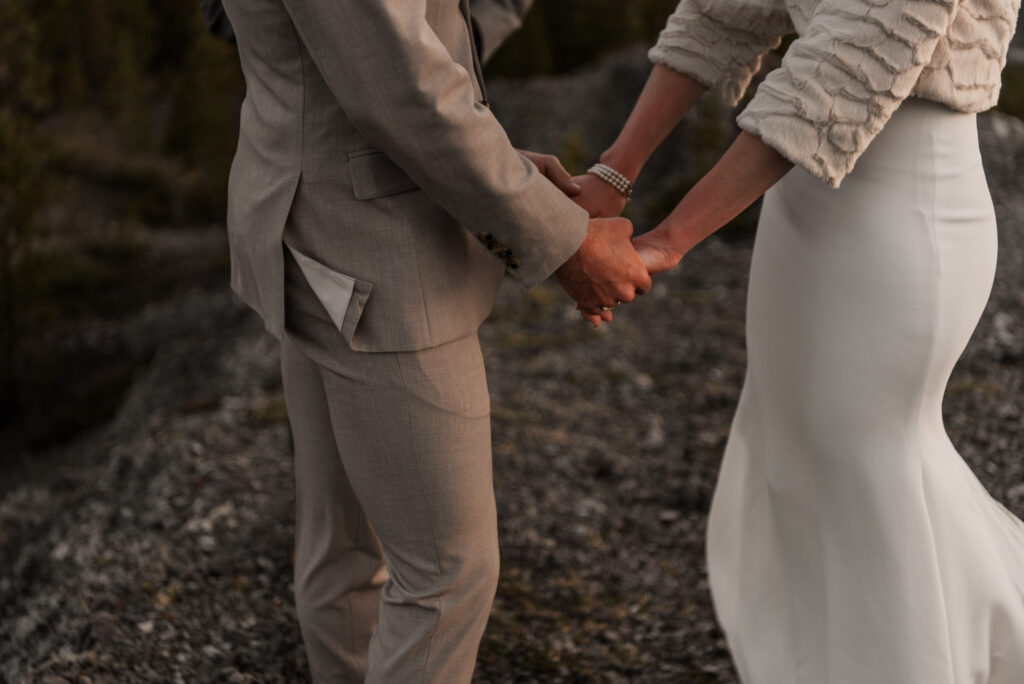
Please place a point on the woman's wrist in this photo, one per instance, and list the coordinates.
(623, 162)
(680, 232)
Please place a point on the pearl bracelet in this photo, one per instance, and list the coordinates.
(613, 178)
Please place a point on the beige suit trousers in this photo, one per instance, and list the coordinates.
(392, 470)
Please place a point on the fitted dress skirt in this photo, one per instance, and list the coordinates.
(848, 541)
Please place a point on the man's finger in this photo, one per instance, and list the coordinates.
(644, 283)
(641, 277)
(626, 294)
(590, 312)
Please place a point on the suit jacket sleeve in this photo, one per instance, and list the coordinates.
(402, 90)
(495, 21)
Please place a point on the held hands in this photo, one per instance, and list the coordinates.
(605, 271)
(601, 199)
(608, 269)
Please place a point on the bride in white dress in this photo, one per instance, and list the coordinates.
(848, 542)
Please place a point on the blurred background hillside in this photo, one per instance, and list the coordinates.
(118, 121)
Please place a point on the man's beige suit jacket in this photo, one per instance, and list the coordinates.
(367, 147)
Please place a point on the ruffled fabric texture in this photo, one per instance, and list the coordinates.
(853, 63)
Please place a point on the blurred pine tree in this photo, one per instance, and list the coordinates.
(126, 94)
(560, 35)
(202, 130)
(23, 94)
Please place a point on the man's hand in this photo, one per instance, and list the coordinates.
(605, 271)
(552, 168)
(598, 197)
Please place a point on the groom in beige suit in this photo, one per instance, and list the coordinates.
(375, 204)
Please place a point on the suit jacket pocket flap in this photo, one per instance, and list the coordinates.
(374, 175)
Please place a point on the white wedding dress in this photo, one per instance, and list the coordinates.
(848, 542)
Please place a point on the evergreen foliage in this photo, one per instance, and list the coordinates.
(23, 94)
(153, 75)
(126, 104)
(1011, 97)
(560, 35)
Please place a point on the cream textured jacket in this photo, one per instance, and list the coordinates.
(852, 64)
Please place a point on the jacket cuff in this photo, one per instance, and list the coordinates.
(556, 227)
(721, 58)
(823, 135)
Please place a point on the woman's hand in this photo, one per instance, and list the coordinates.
(657, 251)
(599, 198)
(552, 168)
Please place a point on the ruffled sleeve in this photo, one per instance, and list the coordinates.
(720, 43)
(843, 78)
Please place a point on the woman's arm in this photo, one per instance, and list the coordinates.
(820, 109)
(714, 45)
(666, 98)
(746, 170)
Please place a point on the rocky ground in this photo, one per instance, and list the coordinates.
(158, 548)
